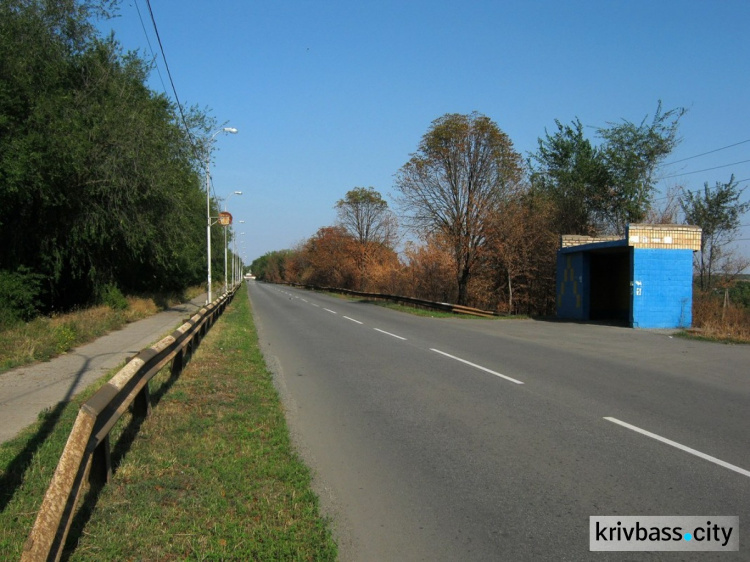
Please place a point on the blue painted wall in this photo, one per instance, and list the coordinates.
(572, 285)
(662, 288)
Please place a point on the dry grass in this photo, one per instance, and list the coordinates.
(712, 320)
(46, 337)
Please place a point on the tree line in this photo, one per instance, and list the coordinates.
(101, 190)
(484, 224)
(100, 177)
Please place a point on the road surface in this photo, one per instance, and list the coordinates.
(462, 439)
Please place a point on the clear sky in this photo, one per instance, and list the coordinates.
(332, 95)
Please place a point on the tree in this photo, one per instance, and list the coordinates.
(429, 273)
(365, 215)
(602, 189)
(571, 173)
(717, 211)
(272, 266)
(329, 259)
(99, 180)
(464, 167)
(632, 154)
(521, 253)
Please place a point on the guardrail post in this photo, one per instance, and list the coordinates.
(142, 403)
(101, 464)
(177, 362)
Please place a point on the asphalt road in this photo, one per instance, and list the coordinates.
(443, 439)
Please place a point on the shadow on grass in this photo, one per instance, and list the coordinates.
(15, 472)
(120, 450)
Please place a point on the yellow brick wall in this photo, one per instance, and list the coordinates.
(654, 236)
(665, 236)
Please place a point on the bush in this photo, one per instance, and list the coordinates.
(740, 294)
(112, 297)
(19, 295)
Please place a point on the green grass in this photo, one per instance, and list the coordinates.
(210, 474)
(26, 467)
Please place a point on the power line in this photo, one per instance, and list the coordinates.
(705, 170)
(174, 90)
(705, 153)
(148, 40)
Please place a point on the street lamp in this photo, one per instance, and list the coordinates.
(226, 283)
(239, 260)
(233, 131)
(237, 277)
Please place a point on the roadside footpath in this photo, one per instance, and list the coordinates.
(26, 391)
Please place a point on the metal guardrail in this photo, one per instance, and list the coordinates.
(86, 457)
(442, 306)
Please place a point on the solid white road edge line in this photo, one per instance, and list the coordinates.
(681, 447)
(353, 320)
(485, 369)
(388, 334)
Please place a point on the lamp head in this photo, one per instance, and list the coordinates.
(230, 130)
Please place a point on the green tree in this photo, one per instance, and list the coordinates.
(99, 181)
(463, 169)
(600, 189)
(632, 154)
(570, 172)
(717, 211)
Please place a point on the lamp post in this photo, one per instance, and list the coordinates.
(236, 262)
(239, 260)
(233, 131)
(226, 272)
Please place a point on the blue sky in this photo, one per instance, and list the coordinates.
(332, 95)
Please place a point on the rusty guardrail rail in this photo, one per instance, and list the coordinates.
(443, 306)
(86, 457)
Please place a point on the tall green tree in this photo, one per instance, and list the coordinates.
(99, 181)
(601, 188)
(463, 169)
(717, 211)
(570, 172)
(632, 155)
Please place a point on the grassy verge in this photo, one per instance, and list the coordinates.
(408, 309)
(717, 322)
(210, 474)
(47, 337)
(416, 311)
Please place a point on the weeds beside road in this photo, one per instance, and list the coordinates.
(210, 474)
(44, 337)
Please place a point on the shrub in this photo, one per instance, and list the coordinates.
(112, 297)
(19, 295)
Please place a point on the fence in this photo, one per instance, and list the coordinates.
(86, 457)
(442, 306)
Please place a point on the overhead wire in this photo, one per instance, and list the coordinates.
(704, 153)
(705, 170)
(150, 48)
(174, 89)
